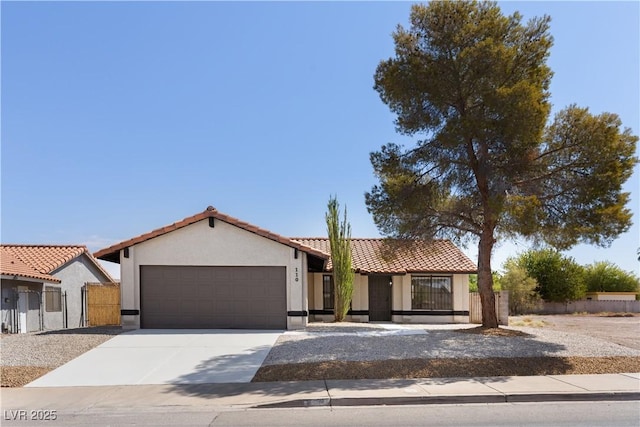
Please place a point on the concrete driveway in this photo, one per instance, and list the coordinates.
(159, 356)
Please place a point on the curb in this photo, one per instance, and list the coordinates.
(454, 399)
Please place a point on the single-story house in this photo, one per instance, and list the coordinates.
(41, 285)
(211, 270)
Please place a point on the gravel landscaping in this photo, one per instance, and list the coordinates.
(25, 357)
(325, 342)
(356, 351)
(372, 351)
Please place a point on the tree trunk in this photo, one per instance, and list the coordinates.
(485, 280)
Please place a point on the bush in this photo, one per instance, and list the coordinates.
(608, 277)
(560, 279)
(523, 297)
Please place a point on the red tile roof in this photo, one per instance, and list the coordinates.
(373, 256)
(12, 266)
(39, 261)
(112, 252)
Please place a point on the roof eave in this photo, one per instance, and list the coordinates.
(112, 253)
(442, 271)
(25, 278)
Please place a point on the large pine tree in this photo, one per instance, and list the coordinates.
(473, 85)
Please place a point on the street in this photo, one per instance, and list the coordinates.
(583, 414)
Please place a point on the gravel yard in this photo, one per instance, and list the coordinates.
(356, 351)
(325, 342)
(25, 357)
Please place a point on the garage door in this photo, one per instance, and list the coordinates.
(213, 297)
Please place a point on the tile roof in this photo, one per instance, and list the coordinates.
(374, 256)
(112, 252)
(39, 261)
(10, 265)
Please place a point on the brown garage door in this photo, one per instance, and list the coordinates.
(213, 297)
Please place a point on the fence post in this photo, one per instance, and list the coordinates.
(83, 297)
(66, 313)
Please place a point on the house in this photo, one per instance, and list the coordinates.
(422, 282)
(211, 270)
(41, 285)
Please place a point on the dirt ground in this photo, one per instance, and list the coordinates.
(447, 368)
(622, 329)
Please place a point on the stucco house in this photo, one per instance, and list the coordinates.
(41, 285)
(212, 270)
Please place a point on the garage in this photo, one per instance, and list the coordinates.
(251, 297)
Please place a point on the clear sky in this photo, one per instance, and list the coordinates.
(121, 117)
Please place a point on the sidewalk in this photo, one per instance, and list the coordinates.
(327, 393)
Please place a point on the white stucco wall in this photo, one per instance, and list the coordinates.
(223, 245)
(359, 299)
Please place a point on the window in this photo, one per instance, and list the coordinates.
(53, 299)
(327, 292)
(431, 293)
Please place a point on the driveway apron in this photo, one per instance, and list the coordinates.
(159, 356)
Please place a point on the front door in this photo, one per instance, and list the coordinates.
(379, 298)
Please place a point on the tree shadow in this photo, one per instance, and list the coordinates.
(90, 330)
(305, 364)
(434, 344)
(227, 368)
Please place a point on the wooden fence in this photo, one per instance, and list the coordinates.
(103, 304)
(502, 307)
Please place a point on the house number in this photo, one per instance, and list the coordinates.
(296, 274)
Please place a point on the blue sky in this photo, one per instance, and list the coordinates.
(121, 117)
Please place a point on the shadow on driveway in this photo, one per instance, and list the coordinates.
(297, 364)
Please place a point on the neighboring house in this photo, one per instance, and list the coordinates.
(211, 270)
(41, 285)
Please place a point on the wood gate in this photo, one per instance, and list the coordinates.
(103, 304)
(502, 307)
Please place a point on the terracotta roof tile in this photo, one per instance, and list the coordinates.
(374, 256)
(43, 259)
(10, 265)
(369, 255)
(112, 252)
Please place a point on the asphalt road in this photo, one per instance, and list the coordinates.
(583, 414)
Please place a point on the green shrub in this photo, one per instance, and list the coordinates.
(607, 277)
(559, 278)
(523, 297)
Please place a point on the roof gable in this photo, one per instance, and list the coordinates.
(112, 252)
(371, 256)
(43, 260)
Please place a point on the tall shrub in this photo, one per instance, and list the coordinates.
(340, 240)
(523, 296)
(607, 277)
(560, 278)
